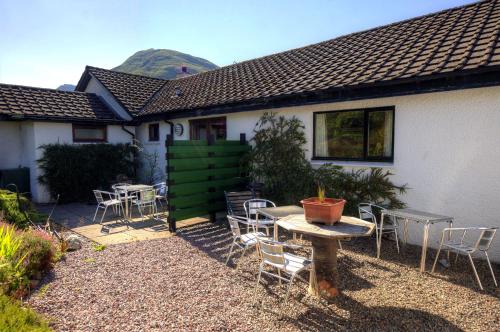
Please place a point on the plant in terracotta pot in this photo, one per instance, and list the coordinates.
(322, 209)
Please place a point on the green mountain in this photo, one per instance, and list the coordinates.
(163, 63)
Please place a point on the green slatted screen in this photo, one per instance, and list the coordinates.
(198, 174)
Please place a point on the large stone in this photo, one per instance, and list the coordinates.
(74, 242)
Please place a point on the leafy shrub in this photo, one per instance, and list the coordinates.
(15, 317)
(40, 251)
(278, 160)
(360, 186)
(73, 171)
(24, 255)
(13, 209)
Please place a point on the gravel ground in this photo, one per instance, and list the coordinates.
(182, 283)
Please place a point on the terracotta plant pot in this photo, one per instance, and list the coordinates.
(327, 212)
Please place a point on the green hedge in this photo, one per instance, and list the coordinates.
(73, 171)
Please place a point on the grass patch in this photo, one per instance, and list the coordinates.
(98, 247)
(15, 317)
(43, 290)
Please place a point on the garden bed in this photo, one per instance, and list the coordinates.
(182, 283)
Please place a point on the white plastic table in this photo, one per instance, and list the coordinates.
(126, 189)
(419, 217)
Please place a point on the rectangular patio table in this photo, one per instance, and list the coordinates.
(131, 188)
(276, 213)
(419, 217)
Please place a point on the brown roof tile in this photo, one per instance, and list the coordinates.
(453, 40)
(38, 103)
(132, 91)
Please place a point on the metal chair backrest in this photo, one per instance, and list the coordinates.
(98, 196)
(252, 205)
(235, 200)
(235, 227)
(485, 239)
(272, 252)
(161, 188)
(147, 196)
(366, 212)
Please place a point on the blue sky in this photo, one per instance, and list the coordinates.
(48, 42)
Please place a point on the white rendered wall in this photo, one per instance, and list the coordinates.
(142, 133)
(25, 150)
(447, 149)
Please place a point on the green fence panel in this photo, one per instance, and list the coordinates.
(203, 163)
(203, 175)
(198, 174)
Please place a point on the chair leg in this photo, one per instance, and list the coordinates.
(491, 268)
(397, 240)
(242, 255)
(279, 279)
(475, 272)
(230, 252)
(95, 215)
(103, 214)
(437, 257)
(288, 290)
(257, 285)
(340, 245)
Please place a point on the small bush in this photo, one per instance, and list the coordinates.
(16, 318)
(371, 185)
(13, 209)
(40, 250)
(73, 171)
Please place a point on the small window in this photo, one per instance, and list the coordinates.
(361, 134)
(154, 132)
(89, 133)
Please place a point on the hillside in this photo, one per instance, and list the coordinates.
(163, 63)
(67, 87)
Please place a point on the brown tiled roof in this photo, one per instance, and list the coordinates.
(37, 103)
(458, 40)
(131, 91)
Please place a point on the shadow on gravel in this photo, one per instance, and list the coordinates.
(362, 318)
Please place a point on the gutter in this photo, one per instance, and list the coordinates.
(171, 127)
(133, 139)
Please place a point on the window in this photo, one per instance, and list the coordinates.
(154, 132)
(361, 134)
(89, 133)
(203, 128)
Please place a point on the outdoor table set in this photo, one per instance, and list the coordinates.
(323, 280)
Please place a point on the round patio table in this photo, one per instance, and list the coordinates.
(323, 280)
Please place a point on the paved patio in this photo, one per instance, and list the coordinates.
(78, 218)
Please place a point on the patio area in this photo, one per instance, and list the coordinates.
(78, 217)
(182, 282)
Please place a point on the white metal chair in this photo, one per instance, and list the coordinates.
(251, 206)
(273, 255)
(145, 199)
(102, 203)
(467, 247)
(161, 192)
(390, 226)
(242, 241)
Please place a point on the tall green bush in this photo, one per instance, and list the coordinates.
(278, 161)
(73, 171)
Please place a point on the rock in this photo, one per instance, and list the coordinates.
(74, 242)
